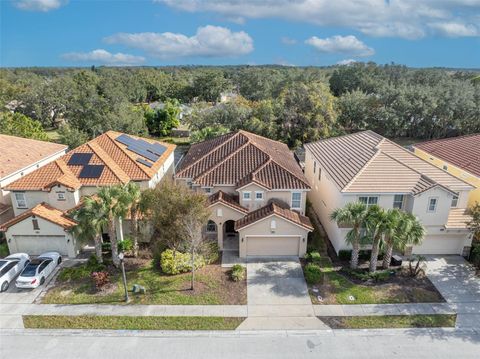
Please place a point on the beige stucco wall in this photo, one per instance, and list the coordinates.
(263, 228)
(36, 197)
(227, 214)
(25, 228)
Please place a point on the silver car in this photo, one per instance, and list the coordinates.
(10, 267)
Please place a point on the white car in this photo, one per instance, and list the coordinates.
(38, 270)
(9, 268)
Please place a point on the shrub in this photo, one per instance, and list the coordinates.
(237, 273)
(125, 245)
(100, 279)
(379, 276)
(211, 252)
(314, 257)
(82, 271)
(475, 255)
(313, 273)
(345, 254)
(177, 262)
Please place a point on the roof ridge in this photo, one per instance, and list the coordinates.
(109, 162)
(446, 139)
(213, 150)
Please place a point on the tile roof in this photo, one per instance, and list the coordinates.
(120, 166)
(368, 162)
(44, 211)
(462, 151)
(4, 208)
(227, 199)
(274, 209)
(18, 153)
(458, 219)
(239, 158)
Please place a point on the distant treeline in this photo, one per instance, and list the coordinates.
(292, 104)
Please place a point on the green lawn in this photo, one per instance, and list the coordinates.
(213, 286)
(4, 249)
(391, 321)
(130, 322)
(336, 289)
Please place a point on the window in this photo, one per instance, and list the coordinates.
(35, 224)
(219, 212)
(398, 201)
(273, 225)
(189, 184)
(454, 201)
(296, 200)
(208, 190)
(314, 166)
(258, 196)
(20, 199)
(369, 201)
(211, 227)
(61, 196)
(246, 196)
(432, 204)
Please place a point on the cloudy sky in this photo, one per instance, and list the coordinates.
(417, 33)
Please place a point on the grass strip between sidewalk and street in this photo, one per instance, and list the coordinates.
(130, 322)
(391, 321)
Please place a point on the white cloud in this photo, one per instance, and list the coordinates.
(104, 57)
(346, 62)
(209, 41)
(386, 18)
(288, 41)
(455, 29)
(39, 5)
(341, 45)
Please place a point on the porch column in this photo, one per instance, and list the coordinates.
(119, 229)
(220, 235)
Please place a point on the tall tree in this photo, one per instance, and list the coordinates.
(16, 124)
(354, 215)
(132, 198)
(376, 224)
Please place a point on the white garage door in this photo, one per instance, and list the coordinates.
(35, 245)
(273, 246)
(440, 245)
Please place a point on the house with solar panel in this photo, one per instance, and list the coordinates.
(42, 198)
(256, 191)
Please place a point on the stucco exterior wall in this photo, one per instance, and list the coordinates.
(36, 197)
(220, 214)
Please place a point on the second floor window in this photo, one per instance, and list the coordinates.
(454, 201)
(208, 190)
(36, 227)
(258, 196)
(20, 199)
(211, 226)
(246, 196)
(432, 204)
(368, 200)
(61, 196)
(296, 200)
(398, 201)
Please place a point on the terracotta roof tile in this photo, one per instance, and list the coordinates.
(237, 157)
(227, 199)
(44, 211)
(462, 151)
(18, 153)
(277, 209)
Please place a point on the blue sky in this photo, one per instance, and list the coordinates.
(419, 33)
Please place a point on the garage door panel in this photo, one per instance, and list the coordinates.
(440, 245)
(35, 245)
(273, 246)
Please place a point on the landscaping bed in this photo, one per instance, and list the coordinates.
(337, 285)
(130, 322)
(391, 321)
(213, 285)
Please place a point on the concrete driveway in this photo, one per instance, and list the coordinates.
(276, 281)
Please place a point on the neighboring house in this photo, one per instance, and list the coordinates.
(257, 193)
(43, 198)
(459, 156)
(18, 157)
(369, 168)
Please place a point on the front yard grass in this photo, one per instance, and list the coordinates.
(212, 286)
(130, 322)
(391, 321)
(336, 288)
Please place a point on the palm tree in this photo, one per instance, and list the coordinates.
(90, 224)
(377, 225)
(353, 214)
(112, 209)
(409, 231)
(391, 239)
(132, 198)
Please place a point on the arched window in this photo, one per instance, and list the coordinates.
(211, 226)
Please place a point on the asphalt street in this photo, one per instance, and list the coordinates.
(415, 343)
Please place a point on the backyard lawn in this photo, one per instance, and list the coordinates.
(129, 322)
(213, 286)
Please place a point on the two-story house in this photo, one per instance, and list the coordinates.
(257, 193)
(41, 200)
(18, 157)
(369, 168)
(459, 156)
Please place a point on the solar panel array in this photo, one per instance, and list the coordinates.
(151, 151)
(91, 171)
(80, 159)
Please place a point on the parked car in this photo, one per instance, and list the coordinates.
(38, 270)
(9, 268)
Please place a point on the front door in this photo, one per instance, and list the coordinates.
(230, 227)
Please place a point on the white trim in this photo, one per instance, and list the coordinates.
(249, 195)
(277, 216)
(291, 200)
(24, 200)
(252, 183)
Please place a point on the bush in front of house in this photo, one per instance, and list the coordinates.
(475, 255)
(314, 257)
(100, 279)
(378, 276)
(313, 273)
(177, 262)
(82, 271)
(211, 251)
(125, 245)
(237, 272)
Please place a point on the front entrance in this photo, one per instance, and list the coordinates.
(230, 236)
